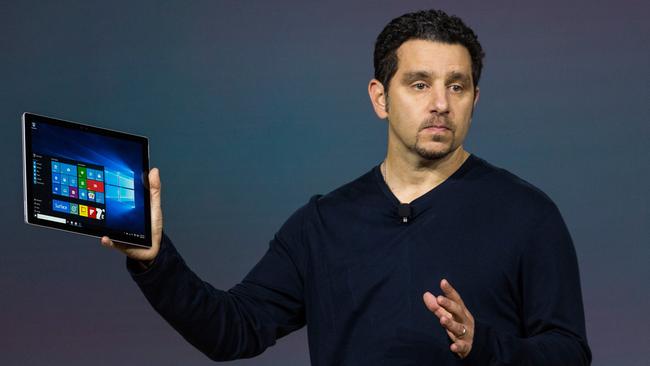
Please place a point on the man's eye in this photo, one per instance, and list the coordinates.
(420, 86)
(456, 88)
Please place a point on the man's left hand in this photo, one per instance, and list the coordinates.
(454, 317)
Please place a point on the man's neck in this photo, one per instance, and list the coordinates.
(410, 177)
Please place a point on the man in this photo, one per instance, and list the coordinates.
(360, 265)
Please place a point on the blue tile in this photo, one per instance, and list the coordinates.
(66, 168)
(60, 206)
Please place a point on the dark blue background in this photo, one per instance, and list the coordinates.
(253, 106)
(111, 153)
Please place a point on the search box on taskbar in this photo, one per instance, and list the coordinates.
(51, 218)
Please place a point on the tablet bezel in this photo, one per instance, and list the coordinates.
(26, 120)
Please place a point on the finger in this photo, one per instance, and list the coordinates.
(156, 210)
(451, 335)
(460, 347)
(457, 329)
(154, 195)
(139, 254)
(154, 186)
(106, 242)
(443, 312)
(450, 292)
(109, 243)
(431, 303)
(455, 309)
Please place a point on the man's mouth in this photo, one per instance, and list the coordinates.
(436, 124)
(436, 128)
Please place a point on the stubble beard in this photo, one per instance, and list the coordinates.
(439, 153)
(433, 154)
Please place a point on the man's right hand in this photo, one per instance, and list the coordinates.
(146, 255)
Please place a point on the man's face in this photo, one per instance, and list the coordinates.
(430, 100)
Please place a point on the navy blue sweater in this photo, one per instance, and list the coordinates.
(346, 266)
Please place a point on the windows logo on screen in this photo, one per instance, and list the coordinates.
(120, 187)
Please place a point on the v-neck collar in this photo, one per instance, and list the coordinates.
(420, 204)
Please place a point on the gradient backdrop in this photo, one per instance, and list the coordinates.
(253, 106)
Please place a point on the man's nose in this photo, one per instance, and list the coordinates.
(439, 100)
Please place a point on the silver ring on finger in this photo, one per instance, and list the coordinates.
(463, 333)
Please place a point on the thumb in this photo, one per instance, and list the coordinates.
(156, 210)
(154, 186)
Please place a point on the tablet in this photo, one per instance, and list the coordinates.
(85, 179)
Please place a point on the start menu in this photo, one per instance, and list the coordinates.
(67, 191)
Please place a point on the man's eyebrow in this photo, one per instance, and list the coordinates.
(412, 76)
(454, 76)
(458, 76)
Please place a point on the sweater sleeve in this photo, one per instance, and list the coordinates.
(241, 322)
(552, 314)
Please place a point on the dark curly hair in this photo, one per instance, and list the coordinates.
(433, 25)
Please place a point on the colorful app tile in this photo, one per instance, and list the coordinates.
(68, 169)
(100, 213)
(56, 178)
(74, 208)
(74, 193)
(81, 172)
(91, 173)
(91, 195)
(99, 197)
(83, 194)
(95, 185)
(72, 181)
(64, 179)
(99, 175)
(56, 188)
(81, 182)
(83, 210)
(65, 190)
(92, 212)
(60, 206)
(56, 167)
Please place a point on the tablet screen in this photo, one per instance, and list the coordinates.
(86, 179)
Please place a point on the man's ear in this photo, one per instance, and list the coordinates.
(378, 98)
(477, 93)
